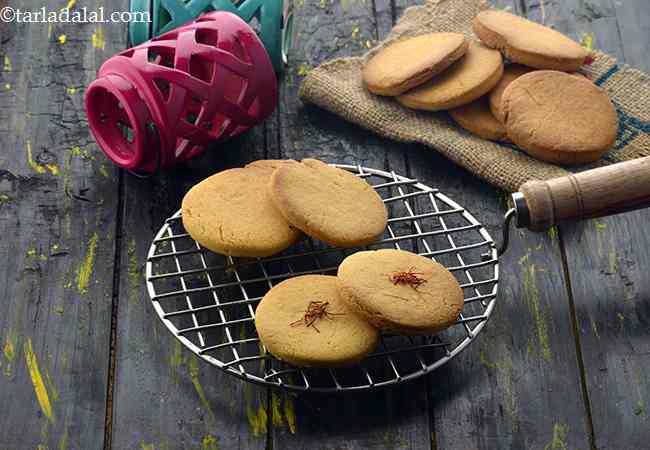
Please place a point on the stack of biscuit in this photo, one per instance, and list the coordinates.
(318, 320)
(536, 100)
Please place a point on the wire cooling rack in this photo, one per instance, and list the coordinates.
(208, 300)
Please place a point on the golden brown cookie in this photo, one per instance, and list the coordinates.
(528, 43)
(400, 291)
(409, 62)
(510, 73)
(465, 81)
(559, 117)
(477, 118)
(329, 204)
(304, 321)
(231, 213)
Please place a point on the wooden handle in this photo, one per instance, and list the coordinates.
(594, 193)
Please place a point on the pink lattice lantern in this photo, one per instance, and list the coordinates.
(161, 102)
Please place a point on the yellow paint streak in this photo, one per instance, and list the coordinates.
(524, 259)
(71, 4)
(51, 387)
(6, 67)
(4, 199)
(147, 446)
(613, 262)
(257, 420)
(9, 351)
(290, 412)
(194, 376)
(368, 43)
(257, 416)
(355, 32)
(63, 442)
(8, 86)
(98, 39)
(62, 39)
(533, 298)
(553, 232)
(133, 272)
(587, 40)
(483, 360)
(176, 359)
(209, 442)
(54, 169)
(503, 367)
(103, 171)
(86, 269)
(37, 381)
(559, 438)
(346, 4)
(38, 168)
(303, 69)
(594, 328)
(71, 91)
(600, 226)
(620, 316)
(640, 408)
(276, 410)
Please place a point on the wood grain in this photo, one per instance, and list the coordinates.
(58, 203)
(518, 385)
(607, 258)
(164, 395)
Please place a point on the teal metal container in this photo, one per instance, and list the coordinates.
(271, 19)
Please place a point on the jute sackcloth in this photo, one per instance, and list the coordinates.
(337, 87)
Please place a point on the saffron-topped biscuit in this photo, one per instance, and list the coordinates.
(231, 213)
(400, 291)
(304, 321)
(559, 117)
(468, 79)
(327, 203)
(409, 62)
(529, 43)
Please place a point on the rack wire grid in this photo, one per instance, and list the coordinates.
(208, 300)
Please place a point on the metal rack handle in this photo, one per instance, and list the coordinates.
(597, 192)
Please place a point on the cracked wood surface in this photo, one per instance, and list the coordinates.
(58, 209)
(561, 364)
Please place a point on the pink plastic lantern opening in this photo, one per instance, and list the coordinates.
(161, 102)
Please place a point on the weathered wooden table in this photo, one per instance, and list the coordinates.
(86, 364)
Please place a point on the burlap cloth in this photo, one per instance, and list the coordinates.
(337, 87)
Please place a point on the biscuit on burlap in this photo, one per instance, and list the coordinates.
(559, 117)
(410, 62)
(510, 73)
(477, 118)
(528, 43)
(468, 79)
